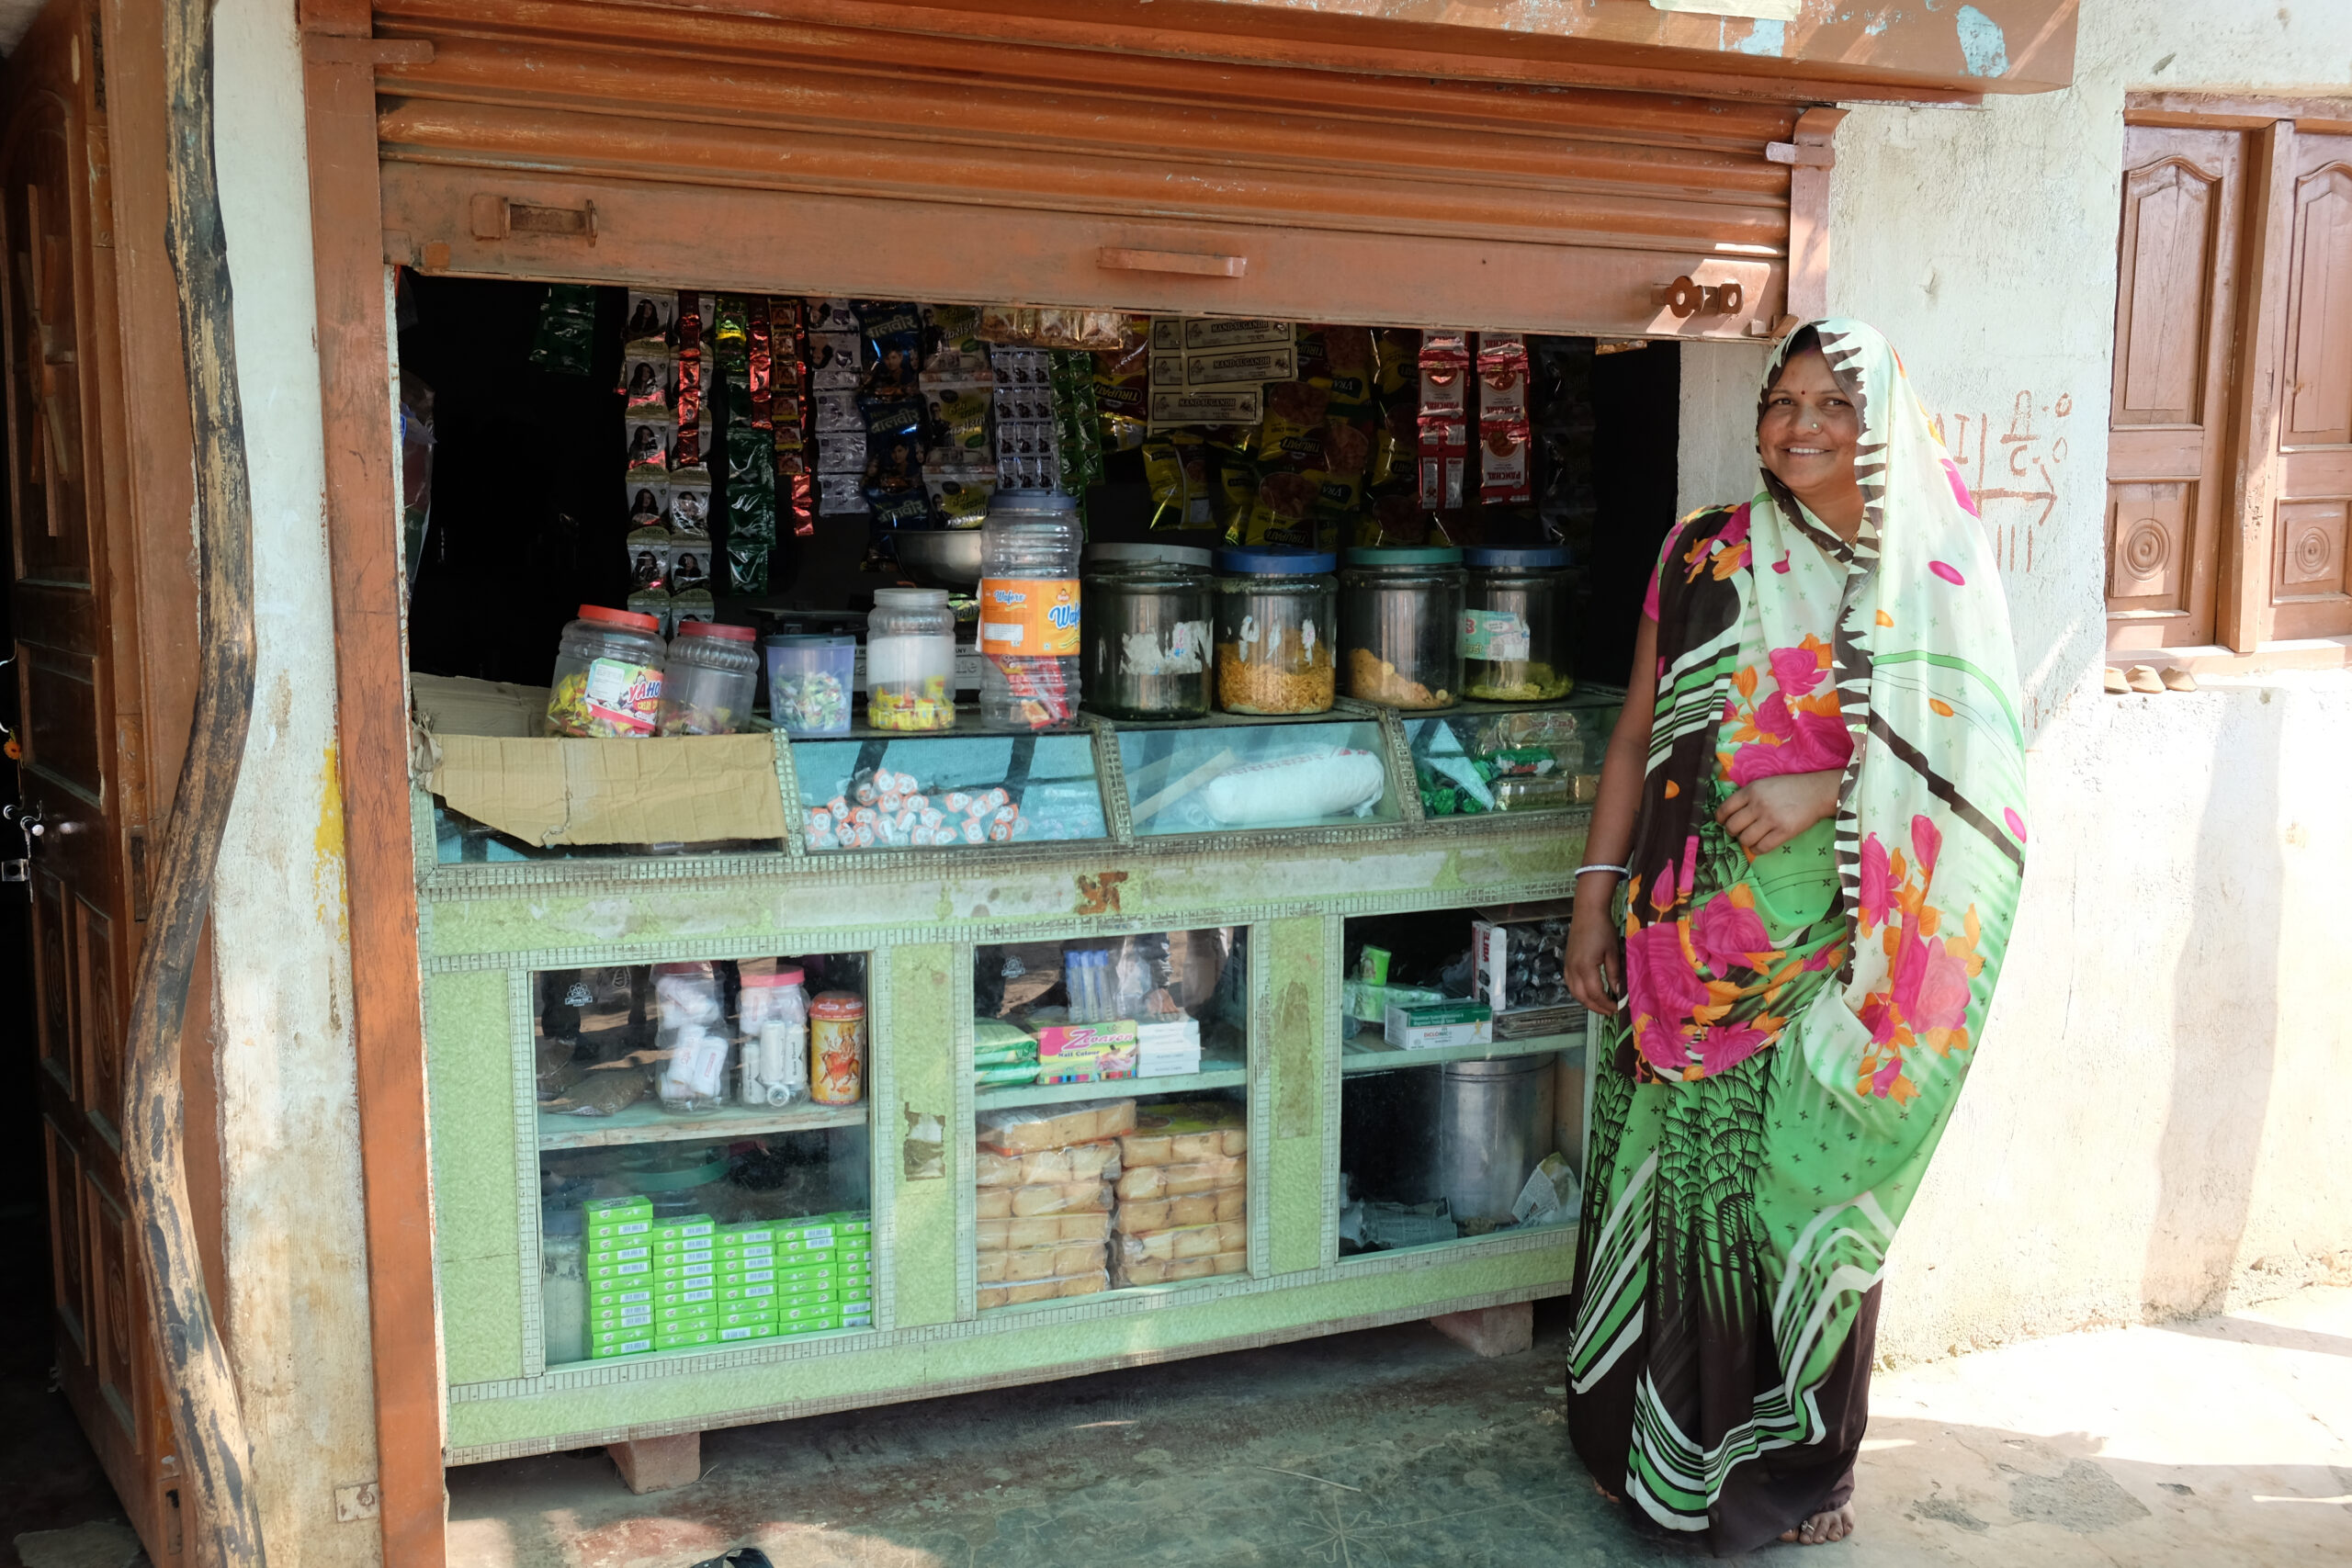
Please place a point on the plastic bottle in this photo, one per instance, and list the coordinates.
(1029, 610)
(773, 1013)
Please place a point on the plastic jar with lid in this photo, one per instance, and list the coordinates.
(1146, 643)
(1274, 626)
(911, 659)
(1515, 625)
(607, 680)
(1029, 610)
(713, 671)
(771, 1012)
(1400, 619)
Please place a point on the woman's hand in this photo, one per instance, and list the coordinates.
(1771, 811)
(1596, 972)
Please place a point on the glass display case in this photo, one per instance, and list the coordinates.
(704, 1154)
(947, 791)
(1111, 1125)
(1488, 758)
(1224, 777)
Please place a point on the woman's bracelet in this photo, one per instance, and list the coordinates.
(1598, 866)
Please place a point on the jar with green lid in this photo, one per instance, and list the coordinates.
(1275, 618)
(1145, 641)
(1515, 625)
(1400, 626)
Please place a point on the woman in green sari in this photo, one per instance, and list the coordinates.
(1804, 865)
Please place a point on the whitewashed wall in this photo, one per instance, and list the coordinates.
(2159, 1115)
(295, 1236)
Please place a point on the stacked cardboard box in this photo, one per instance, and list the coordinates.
(688, 1282)
(1181, 1195)
(1045, 1202)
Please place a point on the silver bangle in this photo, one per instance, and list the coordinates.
(1620, 870)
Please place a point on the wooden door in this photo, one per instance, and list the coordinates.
(2168, 464)
(2310, 587)
(73, 588)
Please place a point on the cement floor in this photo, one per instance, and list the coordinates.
(2202, 1445)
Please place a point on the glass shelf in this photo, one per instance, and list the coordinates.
(1224, 1074)
(648, 1124)
(972, 789)
(1487, 757)
(1356, 1056)
(1220, 777)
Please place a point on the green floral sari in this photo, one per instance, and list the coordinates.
(1796, 1026)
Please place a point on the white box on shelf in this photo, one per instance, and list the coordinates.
(1168, 1050)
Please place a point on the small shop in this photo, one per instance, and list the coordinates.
(997, 771)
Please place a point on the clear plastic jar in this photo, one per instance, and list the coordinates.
(1400, 616)
(607, 680)
(698, 1046)
(708, 685)
(1274, 625)
(1029, 610)
(1515, 625)
(771, 1012)
(911, 659)
(1147, 634)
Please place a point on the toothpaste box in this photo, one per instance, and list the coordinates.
(1426, 1026)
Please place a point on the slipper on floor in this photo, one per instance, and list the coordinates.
(2144, 678)
(2113, 681)
(2179, 679)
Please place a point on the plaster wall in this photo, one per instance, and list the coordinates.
(2157, 1116)
(294, 1235)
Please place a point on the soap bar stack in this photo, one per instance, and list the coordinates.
(688, 1282)
(1045, 1177)
(1181, 1195)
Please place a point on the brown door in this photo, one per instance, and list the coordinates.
(2169, 442)
(2311, 589)
(73, 592)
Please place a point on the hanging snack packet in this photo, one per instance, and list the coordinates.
(1207, 334)
(837, 410)
(565, 341)
(1014, 325)
(836, 361)
(651, 317)
(1123, 387)
(959, 495)
(1398, 353)
(1283, 510)
(956, 347)
(645, 382)
(649, 556)
(842, 452)
(831, 315)
(649, 448)
(647, 506)
(959, 408)
(690, 509)
(760, 368)
(893, 332)
(689, 562)
(1445, 455)
(842, 495)
(690, 452)
(1444, 372)
(1292, 429)
(1503, 376)
(693, 604)
(1163, 472)
(796, 498)
(1505, 477)
(1236, 490)
(1069, 327)
(730, 332)
(1339, 359)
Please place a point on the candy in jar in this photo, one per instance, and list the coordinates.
(837, 1048)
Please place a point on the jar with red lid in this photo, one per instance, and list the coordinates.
(707, 687)
(608, 681)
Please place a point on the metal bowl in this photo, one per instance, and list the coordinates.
(943, 558)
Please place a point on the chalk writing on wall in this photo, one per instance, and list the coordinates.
(2010, 463)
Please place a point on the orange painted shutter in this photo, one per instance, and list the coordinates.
(726, 151)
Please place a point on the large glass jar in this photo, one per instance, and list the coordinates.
(1515, 625)
(607, 680)
(1146, 631)
(1274, 625)
(1029, 610)
(708, 685)
(1400, 619)
(911, 659)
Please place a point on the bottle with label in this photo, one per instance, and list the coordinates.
(837, 1048)
(607, 680)
(1029, 611)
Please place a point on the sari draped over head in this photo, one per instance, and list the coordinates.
(1796, 1024)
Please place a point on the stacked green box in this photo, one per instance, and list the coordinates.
(618, 1255)
(685, 1282)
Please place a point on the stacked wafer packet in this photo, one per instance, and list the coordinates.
(1181, 1195)
(1045, 1176)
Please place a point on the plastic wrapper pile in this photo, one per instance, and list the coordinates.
(1046, 1177)
(889, 810)
(1181, 1195)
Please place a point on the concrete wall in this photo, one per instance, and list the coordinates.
(295, 1239)
(2157, 1118)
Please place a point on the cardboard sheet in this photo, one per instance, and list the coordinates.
(487, 760)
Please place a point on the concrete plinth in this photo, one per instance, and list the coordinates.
(659, 1464)
(1491, 1331)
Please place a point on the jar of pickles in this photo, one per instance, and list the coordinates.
(1400, 616)
(607, 680)
(1145, 635)
(707, 687)
(911, 659)
(1274, 625)
(1515, 625)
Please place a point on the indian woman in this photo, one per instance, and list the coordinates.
(1802, 871)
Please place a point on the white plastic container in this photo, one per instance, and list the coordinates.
(772, 1013)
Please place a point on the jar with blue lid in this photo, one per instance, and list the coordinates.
(1276, 625)
(1515, 625)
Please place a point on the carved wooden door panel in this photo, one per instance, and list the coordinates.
(2311, 586)
(2169, 460)
(70, 598)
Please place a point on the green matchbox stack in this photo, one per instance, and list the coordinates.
(686, 1282)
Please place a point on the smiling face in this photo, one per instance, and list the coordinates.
(1807, 435)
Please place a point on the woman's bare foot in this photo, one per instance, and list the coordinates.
(1830, 1524)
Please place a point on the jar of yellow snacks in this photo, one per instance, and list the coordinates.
(1274, 623)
